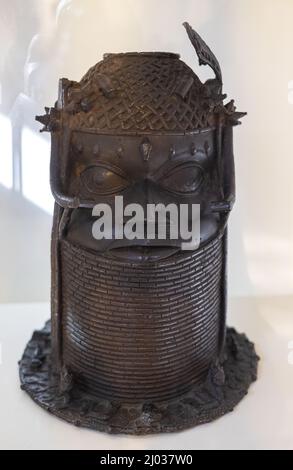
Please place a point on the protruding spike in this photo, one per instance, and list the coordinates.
(230, 107)
(230, 115)
(49, 120)
(172, 152)
(193, 149)
(234, 119)
(146, 149)
(45, 120)
(120, 151)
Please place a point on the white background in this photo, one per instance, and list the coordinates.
(43, 40)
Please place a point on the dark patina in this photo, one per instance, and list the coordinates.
(137, 341)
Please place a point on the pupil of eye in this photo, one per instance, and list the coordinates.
(100, 176)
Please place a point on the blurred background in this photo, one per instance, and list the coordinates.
(43, 40)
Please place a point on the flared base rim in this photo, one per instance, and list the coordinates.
(224, 388)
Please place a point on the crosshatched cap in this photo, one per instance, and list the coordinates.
(144, 92)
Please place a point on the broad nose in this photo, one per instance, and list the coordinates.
(147, 191)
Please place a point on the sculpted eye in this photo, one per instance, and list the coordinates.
(183, 179)
(102, 180)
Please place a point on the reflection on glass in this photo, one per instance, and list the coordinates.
(6, 176)
(35, 156)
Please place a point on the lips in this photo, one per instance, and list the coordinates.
(143, 254)
(79, 232)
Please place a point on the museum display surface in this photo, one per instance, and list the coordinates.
(137, 342)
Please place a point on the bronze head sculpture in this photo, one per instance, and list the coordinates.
(137, 341)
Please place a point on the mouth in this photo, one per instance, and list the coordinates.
(143, 254)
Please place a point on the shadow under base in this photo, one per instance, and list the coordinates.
(224, 388)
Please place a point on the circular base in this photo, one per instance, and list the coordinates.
(223, 389)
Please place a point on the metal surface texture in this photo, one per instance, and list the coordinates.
(163, 320)
(203, 403)
(138, 341)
